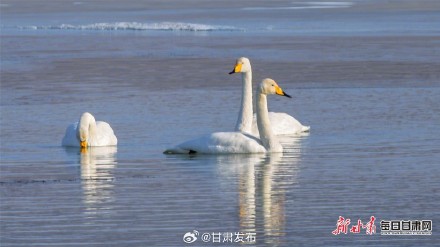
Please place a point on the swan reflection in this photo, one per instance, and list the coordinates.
(97, 164)
(262, 182)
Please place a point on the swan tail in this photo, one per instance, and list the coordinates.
(305, 129)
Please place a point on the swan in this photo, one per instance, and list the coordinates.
(239, 142)
(89, 133)
(282, 123)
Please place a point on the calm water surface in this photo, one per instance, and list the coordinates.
(371, 96)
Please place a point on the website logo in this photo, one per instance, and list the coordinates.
(190, 237)
(406, 227)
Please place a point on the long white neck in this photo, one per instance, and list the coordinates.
(268, 139)
(244, 121)
(87, 128)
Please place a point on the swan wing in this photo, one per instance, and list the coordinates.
(105, 134)
(282, 124)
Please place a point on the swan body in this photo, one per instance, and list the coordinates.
(88, 132)
(282, 123)
(220, 143)
(239, 142)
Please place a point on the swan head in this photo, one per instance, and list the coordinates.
(83, 128)
(269, 86)
(242, 65)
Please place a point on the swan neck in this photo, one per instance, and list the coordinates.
(87, 128)
(266, 135)
(245, 116)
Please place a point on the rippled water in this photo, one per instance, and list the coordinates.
(372, 101)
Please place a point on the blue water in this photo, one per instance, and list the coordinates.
(364, 75)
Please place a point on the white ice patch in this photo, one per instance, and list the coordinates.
(306, 5)
(136, 26)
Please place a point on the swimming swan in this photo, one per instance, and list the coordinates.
(282, 123)
(239, 142)
(89, 133)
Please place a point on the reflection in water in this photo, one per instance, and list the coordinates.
(273, 198)
(262, 183)
(97, 164)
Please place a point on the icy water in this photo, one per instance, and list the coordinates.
(363, 74)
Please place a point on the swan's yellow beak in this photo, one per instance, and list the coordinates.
(279, 91)
(83, 144)
(237, 68)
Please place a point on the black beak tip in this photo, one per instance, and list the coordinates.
(232, 72)
(288, 96)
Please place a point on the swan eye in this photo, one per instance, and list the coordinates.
(273, 85)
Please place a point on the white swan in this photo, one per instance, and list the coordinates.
(239, 142)
(282, 123)
(89, 133)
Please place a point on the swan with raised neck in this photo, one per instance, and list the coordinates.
(282, 123)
